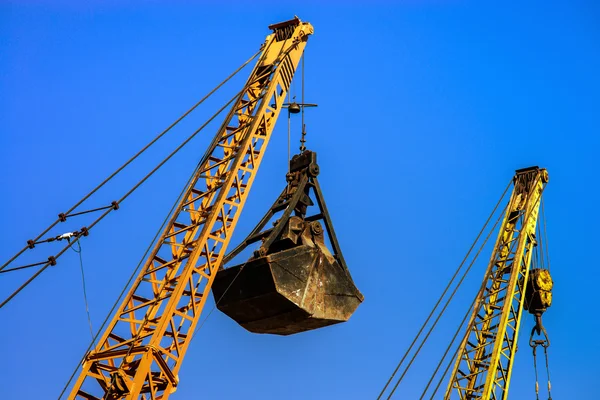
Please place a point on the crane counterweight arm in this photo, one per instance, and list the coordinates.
(483, 366)
(140, 353)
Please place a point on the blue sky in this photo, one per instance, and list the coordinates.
(426, 108)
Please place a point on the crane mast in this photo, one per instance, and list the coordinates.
(483, 366)
(139, 355)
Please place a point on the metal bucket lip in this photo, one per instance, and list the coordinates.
(282, 255)
(281, 275)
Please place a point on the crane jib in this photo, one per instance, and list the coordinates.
(483, 367)
(140, 353)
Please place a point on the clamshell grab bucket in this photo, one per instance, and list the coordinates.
(294, 282)
(288, 292)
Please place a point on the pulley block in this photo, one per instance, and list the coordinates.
(538, 291)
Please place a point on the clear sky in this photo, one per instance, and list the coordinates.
(425, 111)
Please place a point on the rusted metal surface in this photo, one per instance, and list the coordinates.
(294, 282)
(288, 292)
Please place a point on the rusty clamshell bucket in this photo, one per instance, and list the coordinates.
(294, 283)
(288, 292)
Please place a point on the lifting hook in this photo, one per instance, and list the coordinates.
(540, 331)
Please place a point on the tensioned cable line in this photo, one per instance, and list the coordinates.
(63, 216)
(447, 302)
(441, 313)
(199, 327)
(444, 292)
(52, 259)
(466, 314)
(140, 263)
(545, 234)
(450, 362)
(469, 326)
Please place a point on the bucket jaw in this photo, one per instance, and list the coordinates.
(294, 282)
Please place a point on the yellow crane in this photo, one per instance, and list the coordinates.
(486, 354)
(291, 284)
(482, 363)
(140, 353)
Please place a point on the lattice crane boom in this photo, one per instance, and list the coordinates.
(483, 367)
(140, 353)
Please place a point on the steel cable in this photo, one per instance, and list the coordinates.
(85, 298)
(548, 373)
(451, 296)
(135, 187)
(545, 234)
(468, 310)
(477, 299)
(443, 293)
(159, 136)
(52, 260)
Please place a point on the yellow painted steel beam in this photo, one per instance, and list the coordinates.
(140, 353)
(483, 366)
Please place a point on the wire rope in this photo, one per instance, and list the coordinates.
(477, 299)
(449, 299)
(466, 314)
(122, 167)
(443, 293)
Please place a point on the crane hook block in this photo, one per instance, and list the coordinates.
(294, 282)
(539, 291)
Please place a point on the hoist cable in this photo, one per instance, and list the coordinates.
(302, 88)
(545, 233)
(160, 135)
(443, 293)
(548, 373)
(441, 313)
(289, 132)
(477, 300)
(458, 330)
(534, 345)
(199, 327)
(85, 299)
(217, 302)
(540, 245)
(136, 186)
(204, 159)
(469, 310)
(537, 386)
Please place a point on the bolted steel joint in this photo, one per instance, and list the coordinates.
(316, 228)
(313, 170)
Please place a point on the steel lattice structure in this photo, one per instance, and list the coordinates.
(140, 353)
(484, 363)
